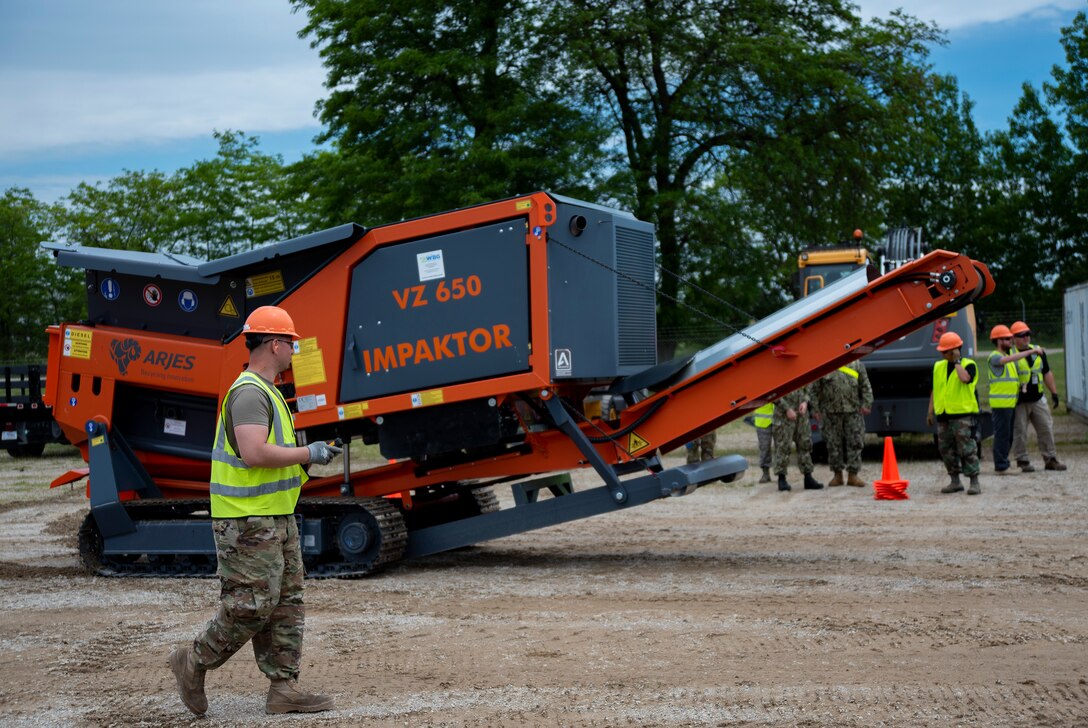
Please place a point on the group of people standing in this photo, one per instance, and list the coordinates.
(839, 401)
(1019, 380)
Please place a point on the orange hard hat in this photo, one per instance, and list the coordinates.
(949, 341)
(1001, 331)
(270, 320)
(1019, 328)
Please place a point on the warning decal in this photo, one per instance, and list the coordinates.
(351, 411)
(77, 344)
(309, 368)
(228, 308)
(636, 443)
(264, 284)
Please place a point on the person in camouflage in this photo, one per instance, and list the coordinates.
(790, 426)
(841, 400)
(953, 405)
(255, 483)
(702, 448)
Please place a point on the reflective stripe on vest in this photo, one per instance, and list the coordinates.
(238, 490)
(763, 416)
(1003, 388)
(950, 395)
(1026, 372)
(849, 371)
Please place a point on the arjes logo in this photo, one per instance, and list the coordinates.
(124, 352)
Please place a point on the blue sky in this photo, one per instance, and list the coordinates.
(89, 89)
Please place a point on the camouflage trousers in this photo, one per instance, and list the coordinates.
(702, 448)
(959, 449)
(260, 574)
(844, 433)
(766, 446)
(786, 434)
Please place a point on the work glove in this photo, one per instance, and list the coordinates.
(322, 452)
(1054, 399)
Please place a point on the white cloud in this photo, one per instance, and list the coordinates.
(50, 109)
(954, 14)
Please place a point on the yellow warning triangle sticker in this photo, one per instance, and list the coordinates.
(228, 308)
(636, 443)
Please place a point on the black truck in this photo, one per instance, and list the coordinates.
(26, 422)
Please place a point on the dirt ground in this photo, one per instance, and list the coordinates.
(736, 605)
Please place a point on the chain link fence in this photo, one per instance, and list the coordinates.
(1047, 325)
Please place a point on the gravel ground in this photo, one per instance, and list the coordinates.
(736, 605)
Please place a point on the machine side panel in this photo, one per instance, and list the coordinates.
(600, 294)
(438, 311)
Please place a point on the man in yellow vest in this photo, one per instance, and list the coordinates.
(1004, 387)
(256, 478)
(954, 406)
(1031, 407)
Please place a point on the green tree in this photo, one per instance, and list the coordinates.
(133, 211)
(35, 293)
(238, 200)
(1069, 94)
(1029, 167)
(661, 102)
(790, 102)
(436, 105)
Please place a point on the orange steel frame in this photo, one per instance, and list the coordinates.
(886, 309)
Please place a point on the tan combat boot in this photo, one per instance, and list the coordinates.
(855, 481)
(836, 480)
(190, 679)
(974, 488)
(285, 697)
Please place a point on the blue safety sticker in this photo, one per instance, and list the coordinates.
(187, 301)
(110, 288)
(537, 231)
(72, 401)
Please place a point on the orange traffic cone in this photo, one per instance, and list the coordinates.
(890, 486)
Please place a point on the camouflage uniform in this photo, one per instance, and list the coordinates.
(261, 573)
(959, 449)
(702, 448)
(765, 440)
(839, 397)
(786, 433)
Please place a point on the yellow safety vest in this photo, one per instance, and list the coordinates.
(763, 416)
(950, 395)
(1003, 388)
(238, 490)
(1030, 375)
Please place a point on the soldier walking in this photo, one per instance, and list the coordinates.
(791, 426)
(256, 479)
(842, 398)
